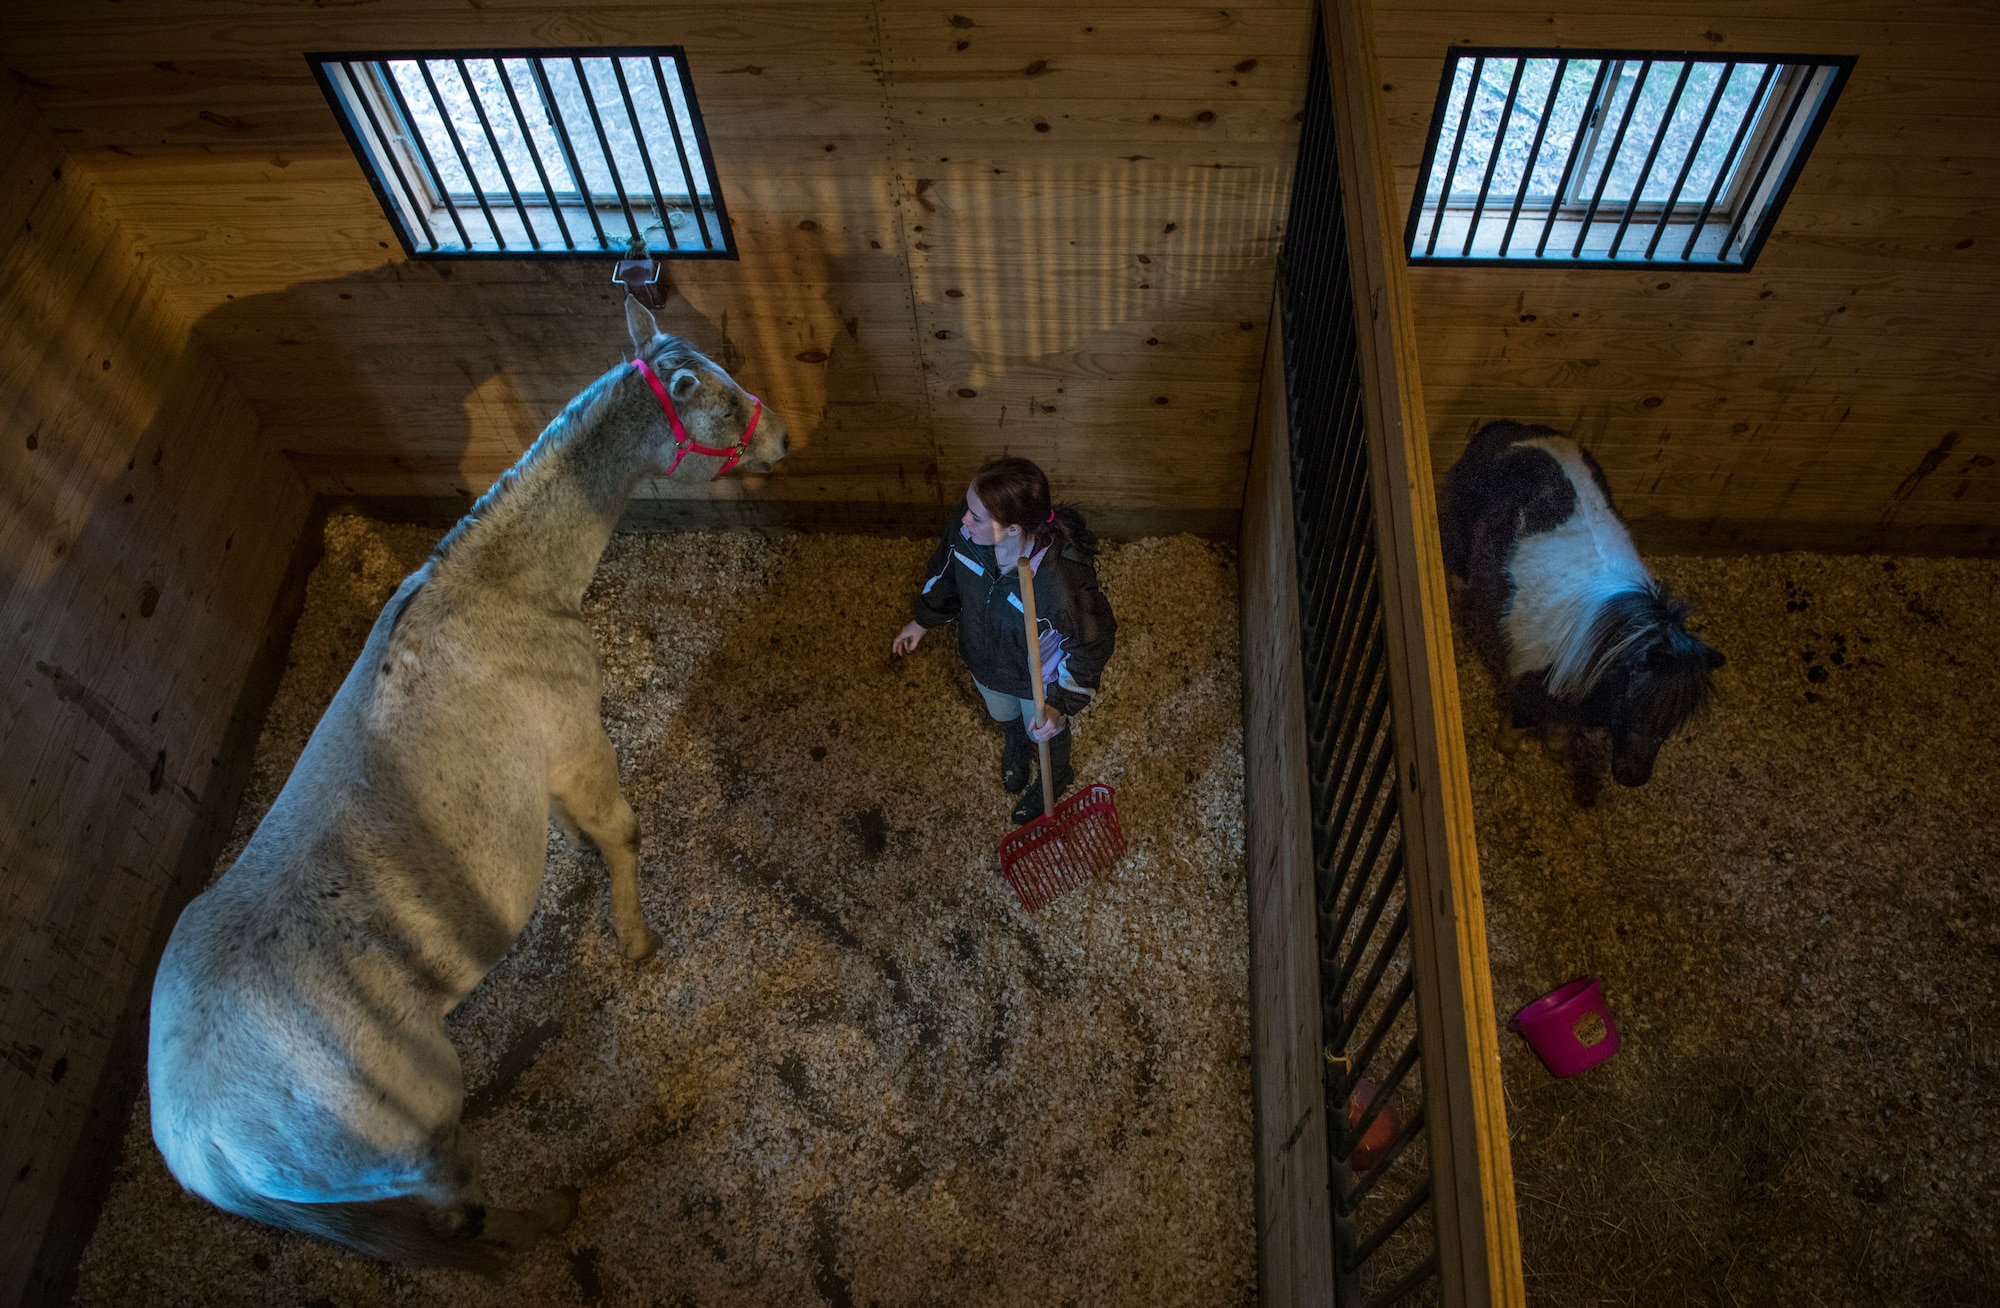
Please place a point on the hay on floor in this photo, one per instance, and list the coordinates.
(1798, 926)
(857, 1073)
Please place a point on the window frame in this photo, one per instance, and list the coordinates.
(1789, 108)
(395, 159)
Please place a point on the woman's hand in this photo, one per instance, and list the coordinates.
(906, 639)
(1048, 724)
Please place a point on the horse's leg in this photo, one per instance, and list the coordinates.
(456, 1196)
(587, 790)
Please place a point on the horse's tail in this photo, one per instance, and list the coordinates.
(399, 1230)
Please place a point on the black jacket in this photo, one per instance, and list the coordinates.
(964, 582)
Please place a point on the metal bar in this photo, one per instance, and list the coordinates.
(569, 150)
(1415, 1277)
(1404, 1212)
(458, 148)
(1694, 152)
(1458, 144)
(403, 182)
(1344, 789)
(1399, 998)
(680, 151)
(1611, 159)
(1354, 676)
(1355, 821)
(1569, 165)
(1413, 1126)
(1750, 116)
(1383, 1094)
(1390, 883)
(535, 150)
(1430, 145)
(424, 151)
(645, 155)
(1385, 951)
(1347, 558)
(1534, 155)
(493, 142)
(707, 159)
(1652, 155)
(1764, 169)
(1493, 155)
(1344, 534)
(1338, 819)
(604, 144)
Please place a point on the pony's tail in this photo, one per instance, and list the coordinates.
(399, 1230)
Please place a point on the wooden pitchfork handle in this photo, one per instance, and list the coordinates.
(1035, 675)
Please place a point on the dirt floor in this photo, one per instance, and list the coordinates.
(1798, 927)
(857, 1073)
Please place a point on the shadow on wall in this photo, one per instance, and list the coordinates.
(430, 379)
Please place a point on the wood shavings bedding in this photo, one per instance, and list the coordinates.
(1798, 927)
(857, 1073)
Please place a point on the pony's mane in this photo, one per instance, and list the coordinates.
(663, 353)
(1679, 687)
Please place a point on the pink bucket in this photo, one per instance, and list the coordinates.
(1569, 1027)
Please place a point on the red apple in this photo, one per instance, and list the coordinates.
(1381, 1132)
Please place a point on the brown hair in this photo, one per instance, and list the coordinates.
(1016, 492)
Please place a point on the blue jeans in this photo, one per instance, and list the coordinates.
(1006, 708)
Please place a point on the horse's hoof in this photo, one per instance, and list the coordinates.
(643, 946)
(1507, 740)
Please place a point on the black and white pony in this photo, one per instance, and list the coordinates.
(1557, 599)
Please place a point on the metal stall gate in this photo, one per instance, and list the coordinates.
(1377, 926)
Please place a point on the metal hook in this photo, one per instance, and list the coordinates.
(639, 273)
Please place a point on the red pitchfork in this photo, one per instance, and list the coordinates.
(1061, 849)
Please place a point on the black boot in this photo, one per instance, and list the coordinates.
(1017, 757)
(1030, 806)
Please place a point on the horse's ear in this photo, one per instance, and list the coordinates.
(682, 384)
(1715, 659)
(639, 323)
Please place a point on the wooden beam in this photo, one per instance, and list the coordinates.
(1479, 1255)
(1287, 1076)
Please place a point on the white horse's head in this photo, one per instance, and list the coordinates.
(715, 413)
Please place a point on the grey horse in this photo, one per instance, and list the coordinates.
(299, 1067)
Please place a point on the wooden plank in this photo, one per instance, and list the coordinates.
(1294, 1202)
(1479, 1253)
(134, 588)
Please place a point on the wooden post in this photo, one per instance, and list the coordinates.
(1288, 1082)
(1479, 1255)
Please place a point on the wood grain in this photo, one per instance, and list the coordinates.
(135, 589)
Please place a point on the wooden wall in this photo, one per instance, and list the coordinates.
(1049, 229)
(146, 526)
(1842, 394)
(1294, 1201)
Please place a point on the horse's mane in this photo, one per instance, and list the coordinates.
(1631, 617)
(663, 353)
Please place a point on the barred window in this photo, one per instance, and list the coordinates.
(532, 153)
(1596, 158)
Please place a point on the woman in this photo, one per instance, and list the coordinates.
(972, 577)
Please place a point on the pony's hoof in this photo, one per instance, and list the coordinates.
(559, 1207)
(1507, 740)
(642, 946)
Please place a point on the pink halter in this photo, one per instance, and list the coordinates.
(683, 443)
